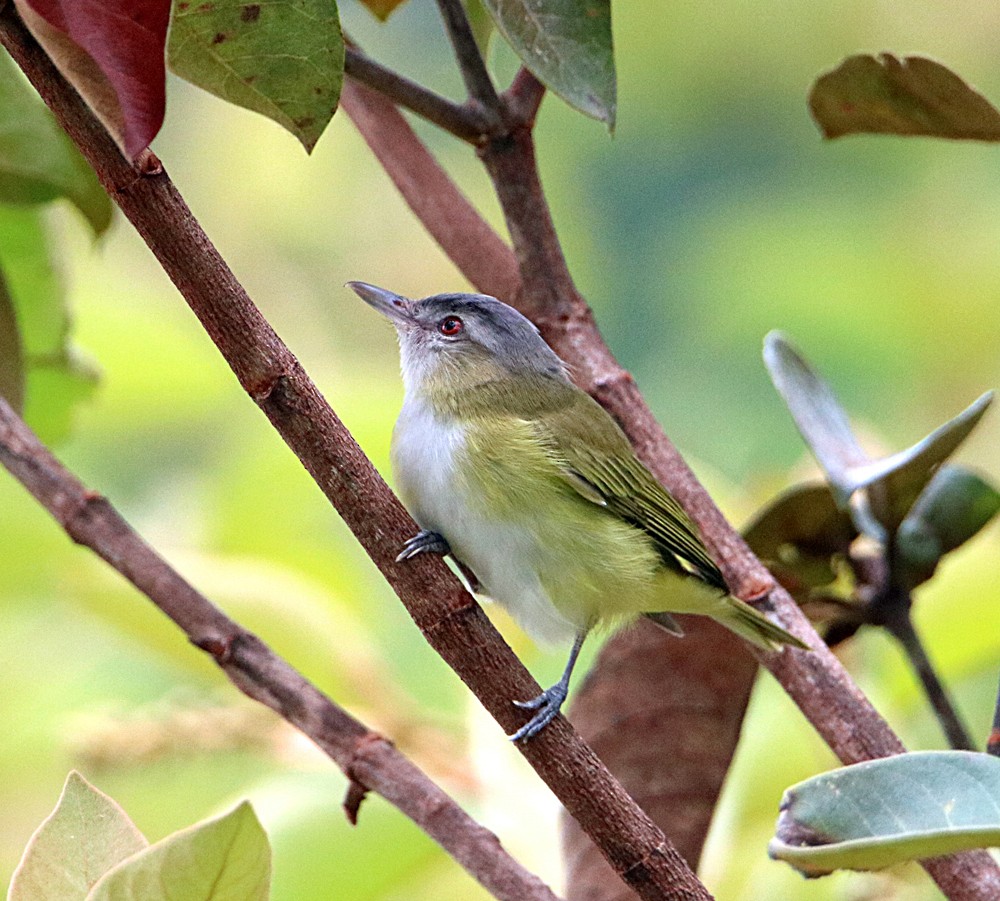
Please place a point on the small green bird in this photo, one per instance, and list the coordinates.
(529, 483)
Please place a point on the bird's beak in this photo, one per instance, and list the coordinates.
(393, 306)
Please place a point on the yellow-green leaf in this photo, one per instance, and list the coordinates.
(225, 859)
(85, 836)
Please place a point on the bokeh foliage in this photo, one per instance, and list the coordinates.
(714, 215)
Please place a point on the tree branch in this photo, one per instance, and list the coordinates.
(465, 121)
(816, 681)
(366, 758)
(449, 618)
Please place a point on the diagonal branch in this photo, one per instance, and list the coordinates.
(448, 617)
(816, 681)
(366, 758)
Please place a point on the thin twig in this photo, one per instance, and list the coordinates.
(368, 760)
(470, 61)
(448, 616)
(465, 121)
(900, 626)
(817, 682)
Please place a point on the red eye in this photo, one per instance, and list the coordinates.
(450, 326)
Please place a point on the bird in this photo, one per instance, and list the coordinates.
(527, 482)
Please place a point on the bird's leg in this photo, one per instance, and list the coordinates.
(549, 701)
(424, 542)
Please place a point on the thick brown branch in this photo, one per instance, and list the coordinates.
(368, 759)
(816, 681)
(450, 619)
(465, 121)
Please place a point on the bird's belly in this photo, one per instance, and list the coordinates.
(557, 562)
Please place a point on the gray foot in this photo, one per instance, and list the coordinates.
(424, 542)
(548, 704)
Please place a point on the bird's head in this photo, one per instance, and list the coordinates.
(452, 340)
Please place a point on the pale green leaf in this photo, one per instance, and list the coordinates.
(817, 413)
(882, 812)
(567, 45)
(38, 162)
(283, 59)
(85, 836)
(895, 482)
(225, 859)
(912, 96)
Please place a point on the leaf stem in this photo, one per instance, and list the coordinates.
(470, 61)
(900, 625)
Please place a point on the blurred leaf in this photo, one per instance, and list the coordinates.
(112, 53)
(481, 24)
(38, 162)
(224, 858)
(84, 837)
(567, 45)
(895, 482)
(800, 531)
(913, 96)
(382, 9)
(57, 377)
(283, 59)
(11, 357)
(818, 415)
(881, 812)
(952, 509)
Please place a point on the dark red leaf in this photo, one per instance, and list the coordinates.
(114, 56)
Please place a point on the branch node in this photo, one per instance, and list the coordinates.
(220, 647)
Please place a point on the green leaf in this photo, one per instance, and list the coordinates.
(38, 162)
(85, 836)
(57, 377)
(881, 812)
(567, 45)
(283, 59)
(11, 356)
(895, 482)
(225, 859)
(913, 96)
(799, 533)
(952, 509)
(818, 415)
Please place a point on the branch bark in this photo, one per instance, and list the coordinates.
(367, 759)
(816, 681)
(449, 618)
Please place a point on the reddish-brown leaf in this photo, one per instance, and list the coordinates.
(113, 53)
(912, 96)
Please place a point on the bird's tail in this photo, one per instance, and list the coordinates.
(756, 628)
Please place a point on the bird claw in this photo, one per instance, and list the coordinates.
(548, 704)
(424, 542)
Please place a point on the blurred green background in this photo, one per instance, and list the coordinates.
(714, 214)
